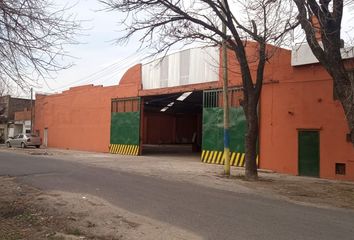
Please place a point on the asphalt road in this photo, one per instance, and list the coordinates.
(208, 212)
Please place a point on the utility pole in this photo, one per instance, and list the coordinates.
(226, 99)
(31, 110)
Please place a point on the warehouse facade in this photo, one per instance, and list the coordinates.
(178, 101)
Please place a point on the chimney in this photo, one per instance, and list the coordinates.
(317, 27)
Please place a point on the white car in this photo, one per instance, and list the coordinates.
(24, 140)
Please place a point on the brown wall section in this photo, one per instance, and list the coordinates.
(162, 128)
(186, 126)
(10, 105)
(23, 115)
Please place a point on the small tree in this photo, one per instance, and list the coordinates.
(164, 23)
(32, 36)
(328, 50)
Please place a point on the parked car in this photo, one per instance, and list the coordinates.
(24, 140)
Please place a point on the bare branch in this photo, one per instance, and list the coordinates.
(327, 49)
(32, 37)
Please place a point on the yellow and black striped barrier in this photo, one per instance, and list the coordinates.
(124, 149)
(217, 157)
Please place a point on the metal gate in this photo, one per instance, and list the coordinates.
(125, 126)
(213, 128)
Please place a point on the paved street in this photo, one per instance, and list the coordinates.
(208, 212)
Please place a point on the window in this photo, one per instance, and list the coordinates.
(125, 105)
(214, 98)
(340, 168)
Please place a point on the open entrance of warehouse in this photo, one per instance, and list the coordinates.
(179, 124)
(172, 124)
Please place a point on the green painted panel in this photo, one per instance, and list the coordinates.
(309, 153)
(238, 126)
(213, 129)
(125, 128)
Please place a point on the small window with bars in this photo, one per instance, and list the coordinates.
(214, 98)
(125, 105)
(340, 168)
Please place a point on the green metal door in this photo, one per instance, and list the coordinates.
(213, 130)
(125, 126)
(309, 153)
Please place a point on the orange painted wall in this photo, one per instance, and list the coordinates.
(302, 98)
(80, 117)
(293, 98)
(296, 98)
(272, 66)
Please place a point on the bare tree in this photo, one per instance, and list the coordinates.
(164, 23)
(32, 36)
(4, 88)
(329, 14)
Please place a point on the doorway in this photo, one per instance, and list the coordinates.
(45, 137)
(125, 126)
(309, 153)
(172, 124)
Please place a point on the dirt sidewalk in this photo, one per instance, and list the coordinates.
(27, 213)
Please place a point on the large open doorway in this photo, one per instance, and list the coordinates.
(172, 123)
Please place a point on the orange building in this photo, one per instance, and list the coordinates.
(303, 129)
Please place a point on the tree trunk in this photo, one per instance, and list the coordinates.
(251, 138)
(342, 83)
(344, 87)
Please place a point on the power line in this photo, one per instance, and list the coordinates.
(114, 73)
(104, 71)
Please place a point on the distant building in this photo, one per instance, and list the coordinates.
(22, 122)
(9, 126)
